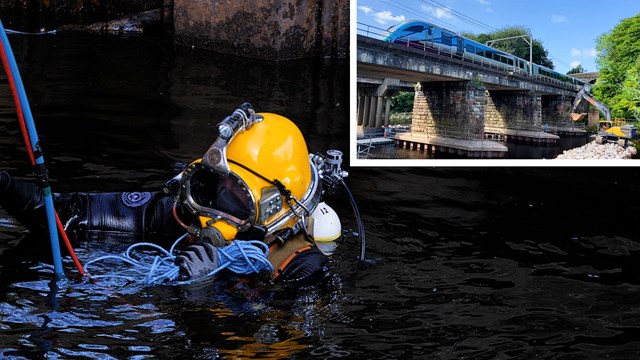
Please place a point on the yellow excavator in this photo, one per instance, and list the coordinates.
(608, 130)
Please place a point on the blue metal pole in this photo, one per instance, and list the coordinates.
(41, 171)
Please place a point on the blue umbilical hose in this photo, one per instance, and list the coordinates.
(41, 171)
(240, 257)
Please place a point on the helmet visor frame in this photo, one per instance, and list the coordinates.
(218, 196)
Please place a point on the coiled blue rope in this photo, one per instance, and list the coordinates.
(240, 257)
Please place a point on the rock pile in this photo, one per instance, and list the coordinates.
(594, 150)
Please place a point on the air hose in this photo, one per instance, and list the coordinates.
(352, 200)
(32, 143)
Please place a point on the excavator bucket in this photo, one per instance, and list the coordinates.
(578, 116)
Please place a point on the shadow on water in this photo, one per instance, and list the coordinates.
(493, 263)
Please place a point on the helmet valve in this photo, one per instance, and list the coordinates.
(334, 160)
(329, 169)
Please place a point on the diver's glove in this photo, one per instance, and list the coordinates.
(197, 260)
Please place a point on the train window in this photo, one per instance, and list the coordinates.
(446, 39)
(470, 48)
(510, 62)
(415, 29)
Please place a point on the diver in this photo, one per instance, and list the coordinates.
(256, 182)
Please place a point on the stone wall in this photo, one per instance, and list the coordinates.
(281, 29)
(515, 110)
(556, 110)
(453, 109)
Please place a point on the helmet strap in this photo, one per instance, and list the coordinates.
(279, 185)
(304, 216)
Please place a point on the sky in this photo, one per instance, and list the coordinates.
(568, 29)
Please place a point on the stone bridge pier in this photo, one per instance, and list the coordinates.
(513, 110)
(556, 109)
(451, 109)
(449, 117)
(556, 114)
(467, 110)
(517, 115)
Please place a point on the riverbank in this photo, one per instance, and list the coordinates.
(594, 150)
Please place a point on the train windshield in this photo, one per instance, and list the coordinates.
(413, 31)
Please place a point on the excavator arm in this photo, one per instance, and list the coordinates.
(584, 94)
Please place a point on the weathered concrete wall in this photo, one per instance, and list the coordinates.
(514, 110)
(556, 110)
(454, 109)
(32, 15)
(281, 29)
(274, 30)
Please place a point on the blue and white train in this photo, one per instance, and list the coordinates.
(423, 35)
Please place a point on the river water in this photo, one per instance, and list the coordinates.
(479, 263)
(516, 150)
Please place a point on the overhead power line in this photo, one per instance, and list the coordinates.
(437, 6)
(418, 14)
(460, 15)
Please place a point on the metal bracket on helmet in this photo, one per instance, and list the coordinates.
(329, 169)
(242, 119)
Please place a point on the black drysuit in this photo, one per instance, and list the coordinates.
(122, 218)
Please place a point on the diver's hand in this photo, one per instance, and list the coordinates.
(197, 260)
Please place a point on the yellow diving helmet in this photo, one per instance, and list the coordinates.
(257, 174)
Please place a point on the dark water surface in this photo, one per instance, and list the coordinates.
(470, 263)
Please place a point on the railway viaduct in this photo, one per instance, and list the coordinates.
(457, 97)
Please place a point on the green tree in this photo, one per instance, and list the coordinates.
(577, 70)
(629, 97)
(618, 53)
(518, 47)
(402, 102)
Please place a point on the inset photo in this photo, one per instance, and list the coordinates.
(462, 82)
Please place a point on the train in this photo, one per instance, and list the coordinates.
(427, 36)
